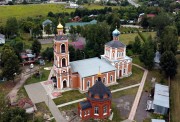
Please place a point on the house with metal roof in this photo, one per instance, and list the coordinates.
(2, 39)
(157, 120)
(161, 99)
(75, 24)
(44, 24)
(81, 74)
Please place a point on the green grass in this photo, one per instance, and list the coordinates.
(137, 61)
(131, 80)
(126, 38)
(33, 10)
(24, 11)
(75, 94)
(175, 95)
(116, 116)
(42, 108)
(44, 46)
(69, 96)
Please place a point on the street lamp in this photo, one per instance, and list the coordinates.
(31, 67)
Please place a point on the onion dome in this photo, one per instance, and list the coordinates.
(116, 32)
(59, 26)
(99, 92)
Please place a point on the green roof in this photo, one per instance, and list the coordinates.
(80, 23)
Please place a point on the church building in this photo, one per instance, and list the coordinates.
(98, 103)
(81, 74)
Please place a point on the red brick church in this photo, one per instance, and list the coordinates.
(98, 103)
(82, 74)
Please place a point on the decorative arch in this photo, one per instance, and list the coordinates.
(63, 48)
(63, 62)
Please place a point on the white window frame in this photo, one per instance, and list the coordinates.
(96, 110)
(105, 110)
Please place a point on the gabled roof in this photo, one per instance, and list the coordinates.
(161, 95)
(85, 104)
(115, 44)
(90, 67)
(67, 25)
(157, 120)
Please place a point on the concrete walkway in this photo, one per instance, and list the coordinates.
(113, 91)
(37, 94)
(138, 95)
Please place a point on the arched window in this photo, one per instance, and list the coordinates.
(63, 48)
(88, 84)
(111, 78)
(63, 62)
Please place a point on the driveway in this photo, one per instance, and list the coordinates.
(37, 94)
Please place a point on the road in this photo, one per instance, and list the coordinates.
(132, 2)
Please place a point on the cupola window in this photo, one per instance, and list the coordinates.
(96, 110)
(63, 48)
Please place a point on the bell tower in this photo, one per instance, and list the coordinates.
(61, 59)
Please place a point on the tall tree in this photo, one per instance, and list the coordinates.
(11, 27)
(72, 53)
(169, 40)
(36, 47)
(169, 64)
(147, 56)
(10, 62)
(137, 45)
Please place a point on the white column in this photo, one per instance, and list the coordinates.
(107, 78)
(115, 76)
(124, 52)
(61, 82)
(68, 80)
(58, 61)
(116, 53)
(83, 84)
(92, 80)
(110, 53)
(118, 69)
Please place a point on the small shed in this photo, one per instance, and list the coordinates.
(161, 99)
(157, 120)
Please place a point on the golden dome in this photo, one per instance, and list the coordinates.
(59, 26)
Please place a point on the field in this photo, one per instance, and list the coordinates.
(24, 11)
(175, 95)
(126, 38)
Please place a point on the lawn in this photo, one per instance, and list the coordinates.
(32, 10)
(126, 38)
(131, 80)
(75, 94)
(116, 116)
(69, 96)
(175, 95)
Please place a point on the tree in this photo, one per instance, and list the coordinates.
(160, 21)
(144, 22)
(10, 62)
(169, 64)
(137, 45)
(147, 56)
(48, 53)
(72, 53)
(11, 27)
(14, 115)
(36, 47)
(169, 40)
(48, 29)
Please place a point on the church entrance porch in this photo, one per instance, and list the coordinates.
(64, 84)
